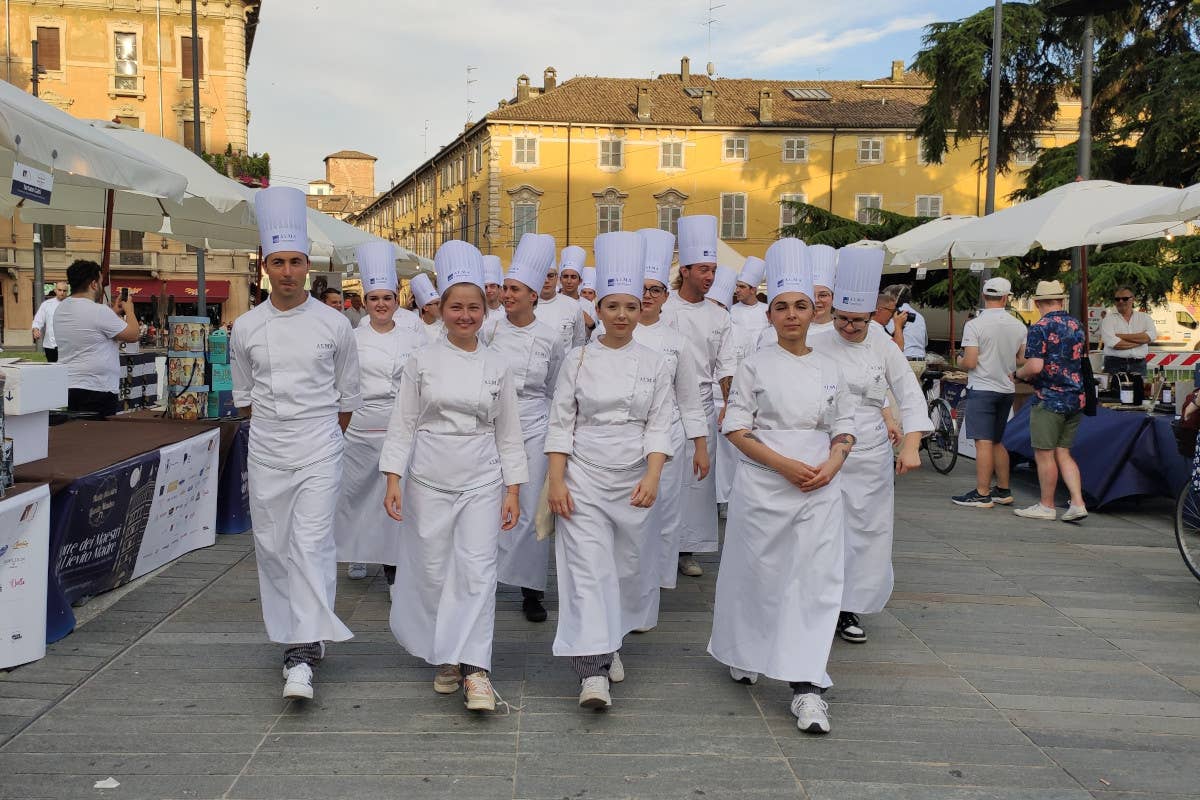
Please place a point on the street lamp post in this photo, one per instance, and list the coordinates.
(39, 268)
(197, 147)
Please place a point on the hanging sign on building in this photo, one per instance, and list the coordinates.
(32, 183)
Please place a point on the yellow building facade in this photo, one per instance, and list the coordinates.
(130, 61)
(598, 154)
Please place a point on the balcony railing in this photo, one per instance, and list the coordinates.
(126, 86)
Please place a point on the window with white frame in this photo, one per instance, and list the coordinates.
(612, 153)
(524, 219)
(863, 203)
(608, 219)
(1026, 156)
(125, 61)
(929, 205)
(870, 150)
(733, 216)
(524, 150)
(787, 215)
(668, 218)
(795, 148)
(736, 148)
(670, 155)
(477, 157)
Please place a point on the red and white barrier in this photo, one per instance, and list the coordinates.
(1172, 360)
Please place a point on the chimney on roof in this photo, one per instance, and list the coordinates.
(685, 69)
(522, 88)
(898, 70)
(708, 106)
(766, 107)
(549, 79)
(643, 104)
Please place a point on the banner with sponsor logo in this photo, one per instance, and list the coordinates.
(24, 544)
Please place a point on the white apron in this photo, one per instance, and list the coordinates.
(727, 461)
(868, 495)
(524, 561)
(666, 515)
(700, 496)
(779, 588)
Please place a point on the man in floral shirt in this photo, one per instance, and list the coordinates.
(1054, 351)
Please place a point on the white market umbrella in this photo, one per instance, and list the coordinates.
(336, 240)
(934, 230)
(1170, 212)
(728, 257)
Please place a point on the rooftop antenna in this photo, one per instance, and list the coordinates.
(426, 154)
(709, 21)
(470, 80)
(821, 71)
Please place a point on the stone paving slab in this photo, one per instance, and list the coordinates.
(1016, 661)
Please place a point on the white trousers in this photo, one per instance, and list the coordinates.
(700, 500)
(444, 597)
(362, 529)
(292, 513)
(868, 497)
(607, 571)
(524, 561)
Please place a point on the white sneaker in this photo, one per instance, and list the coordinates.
(616, 671)
(478, 693)
(741, 676)
(356, 571)
(812, 713)
(1036, 511)
(448, 679)
(593, 693)
(298, 685)
(1074, 514)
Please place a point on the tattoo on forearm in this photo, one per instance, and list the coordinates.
(844, 438)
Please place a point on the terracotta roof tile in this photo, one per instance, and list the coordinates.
(350, 154)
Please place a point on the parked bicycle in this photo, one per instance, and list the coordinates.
(942, 443)
(1187, 507)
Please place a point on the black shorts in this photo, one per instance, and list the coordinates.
(103, 404)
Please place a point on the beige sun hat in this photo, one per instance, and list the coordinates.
(1050, 290)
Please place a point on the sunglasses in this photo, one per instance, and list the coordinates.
(1123, 299)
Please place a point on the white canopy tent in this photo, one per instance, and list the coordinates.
(1171, 212)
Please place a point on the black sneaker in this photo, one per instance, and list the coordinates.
(976, 500)
(848, 628)
(531, 605)
(1002, 497)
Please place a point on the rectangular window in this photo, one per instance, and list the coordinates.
(189, 138)
(49, 49)
(733, 216)
(477, 157)
(524, 219)
(524, 150)
(125, 61)
(54, 236)
(670, 155)
(929, 205)
(611, 153)
(787, 216)
(185, 53)
(131, 247)
(668, 218)
(735, 148)
(795, 149)
(863, 203)
(608, 219)
(870, 150)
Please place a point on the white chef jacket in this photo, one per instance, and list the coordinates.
(1113, 323)
(565, 315)
(402, 317)
(749, 320)
(43, 320)
(495, 313)
(777, 391)
(434, 331)
(451, 394)
(294, 369)
(534, 354)
(381, 360)
(684, 398)
(611, 405)
(708, 333)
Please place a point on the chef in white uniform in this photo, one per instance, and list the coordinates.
(779, 588)
(562, 313)
(610, 434)
(455, 438)
(493, 277)
(688, 420)
(721, 293)
(823, 259)
(570, 270)
(294, 363)
(587, 286)
(534, 353)
(873, 366)
(428, 302)
(364, 533)
(709, 336)
(748, 316)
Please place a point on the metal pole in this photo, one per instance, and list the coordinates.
(1079, 299)
(950, 292)
(994, 109)
(197, 146)
(39, 276)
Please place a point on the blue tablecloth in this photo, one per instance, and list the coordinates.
(233, 494)
(1120, 454)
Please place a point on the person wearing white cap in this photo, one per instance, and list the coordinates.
(294, 363)
(993, 345)
(493, 277)
(610, 434)
(561, 312)
(428, 302)
(454, 437)
(688, 420)
(587, 285)
(570, 270)
(709, 336)
(534, 353)
(361, 527)
(873, 366)
(779, 587)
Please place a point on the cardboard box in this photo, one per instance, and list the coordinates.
(30, 434)
(220, 377)
(29, 388)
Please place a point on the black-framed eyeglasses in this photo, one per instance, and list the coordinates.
(1123, 299)
(847, 322)
(654, 291)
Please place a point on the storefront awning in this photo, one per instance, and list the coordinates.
(185, 291)
(140, 289)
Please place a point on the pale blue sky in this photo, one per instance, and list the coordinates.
(328, 75)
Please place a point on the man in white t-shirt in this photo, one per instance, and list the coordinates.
(89, 336)
(993, 345)
(43, 321)
(1127, 334)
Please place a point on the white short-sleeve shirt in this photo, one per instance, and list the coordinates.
(84, 331)
(999, 337)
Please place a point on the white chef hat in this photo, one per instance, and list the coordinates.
(697, 240)
(573, 257)
(788, 269)
(752, 272)
(824, 261)
(492, 271)
(457, 261)
(722, 286)
(620, 256)
(282, 213)
(532, 259)
(857, 285)
(588, 278)
(660, 249)
(422, 289)
(377, 266)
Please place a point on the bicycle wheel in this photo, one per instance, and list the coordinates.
(942, 444)
(1187, 528)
